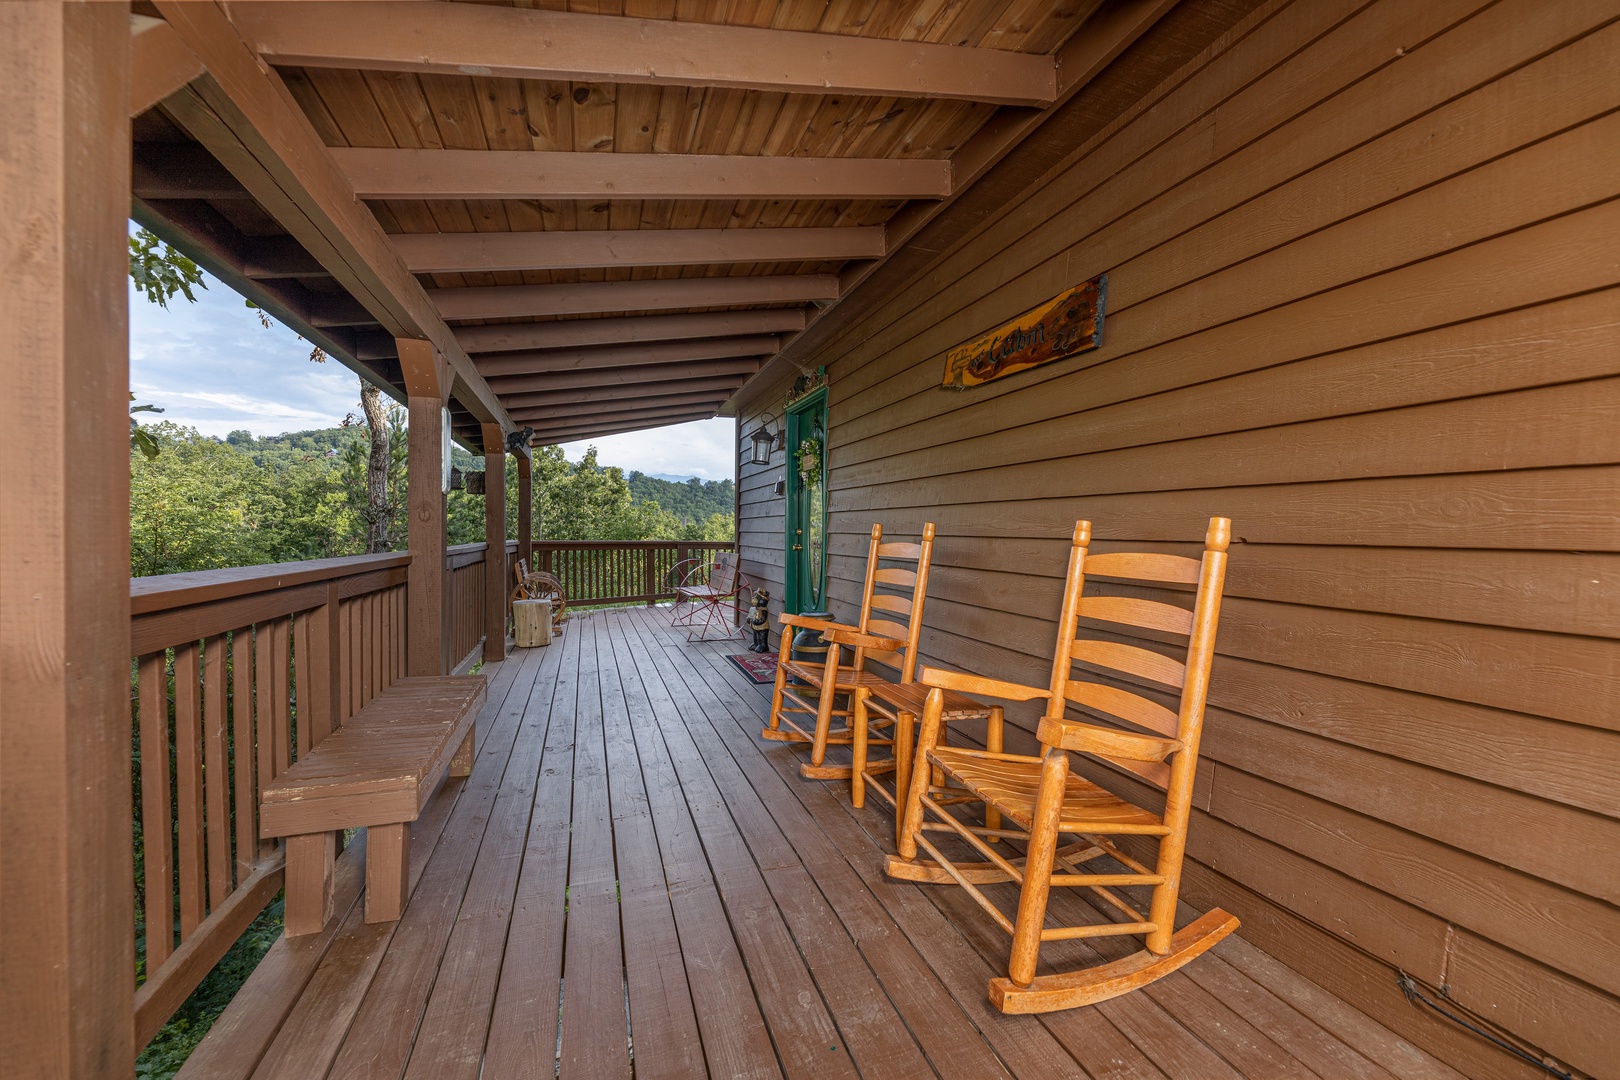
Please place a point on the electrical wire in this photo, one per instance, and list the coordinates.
(1409, 987)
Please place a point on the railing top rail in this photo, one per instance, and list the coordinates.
(631, 545)
(165, 592)
(463, 549)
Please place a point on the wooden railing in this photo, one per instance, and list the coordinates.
(235, 675)
(620, 571)
(464, 600)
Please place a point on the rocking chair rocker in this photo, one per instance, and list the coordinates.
(894, 590)
(1045, 801)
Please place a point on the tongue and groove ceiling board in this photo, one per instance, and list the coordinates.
(625, 177)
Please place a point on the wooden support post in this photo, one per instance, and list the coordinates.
(388, 871)
(495, 575)
(427, 383)
(311, 860)
(67, 1003)
(525, 509)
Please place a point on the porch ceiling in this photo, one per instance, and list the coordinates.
(684, 172)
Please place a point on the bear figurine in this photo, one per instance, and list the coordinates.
(759, 621)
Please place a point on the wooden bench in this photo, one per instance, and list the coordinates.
(377, 771)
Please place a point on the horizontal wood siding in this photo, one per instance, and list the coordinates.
(1362, 298)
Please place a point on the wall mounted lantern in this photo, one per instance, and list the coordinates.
(764, 442)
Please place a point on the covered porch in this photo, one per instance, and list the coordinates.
(632, 879)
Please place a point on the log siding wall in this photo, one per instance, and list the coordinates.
(1362, 264)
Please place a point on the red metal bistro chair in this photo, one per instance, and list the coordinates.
(706, 596)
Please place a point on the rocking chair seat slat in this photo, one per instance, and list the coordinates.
(909, 698)
(1010, 784)
(816, 674)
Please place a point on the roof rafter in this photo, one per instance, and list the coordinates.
(458, 39)
(243, 113)
(573, 426)
(560, 434)
(610, 356)
(560, 174)
(474, 252)
(625, 376)
(586, 297)
(648, 392)
(592, 411)
(510, 337)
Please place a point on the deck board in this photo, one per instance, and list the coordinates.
(632, 883)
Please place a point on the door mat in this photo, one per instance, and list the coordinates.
(760, 667)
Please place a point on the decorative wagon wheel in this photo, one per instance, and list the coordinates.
(539, 585)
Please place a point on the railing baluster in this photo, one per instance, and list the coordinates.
(303, 678)
(246, 793)
(216, 789)
(188, 785)
(157, 828)
(281, 692)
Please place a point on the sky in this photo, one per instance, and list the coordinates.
(211, 366)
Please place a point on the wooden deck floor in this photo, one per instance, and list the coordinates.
(631, 879)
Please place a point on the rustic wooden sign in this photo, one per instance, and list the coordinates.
(1063, 326)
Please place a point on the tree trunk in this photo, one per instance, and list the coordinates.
(379, 514)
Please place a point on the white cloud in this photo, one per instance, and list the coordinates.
(703, 448)
(211, 366)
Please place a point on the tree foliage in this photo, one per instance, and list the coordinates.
(205, 503)
(161, 271)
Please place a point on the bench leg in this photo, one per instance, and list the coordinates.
(388, 871)
(461, 764)
(310, 861)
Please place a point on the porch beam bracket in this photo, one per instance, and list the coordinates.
(245, 115)
(160, 63)
(570, 47)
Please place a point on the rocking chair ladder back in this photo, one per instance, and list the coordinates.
(1045, 800)
(894, 589)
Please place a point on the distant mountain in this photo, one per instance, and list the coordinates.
(671, 477)
(688, 498)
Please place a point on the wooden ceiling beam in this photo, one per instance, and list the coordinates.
(162, 171)
(561, 435)
(736, 370)
(1096, 43)
(475, 252)
(160, 63)
(636, 391)
(610, 356)
(583, 298)
(246, 117)
(554, 174)
(592, 411)
(568, 333)
(454, 39)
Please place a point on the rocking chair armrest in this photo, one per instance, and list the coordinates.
(857, 639)
(811, 624)
(977, 684)
(1105, 741)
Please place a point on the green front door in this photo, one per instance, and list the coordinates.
(805, 540)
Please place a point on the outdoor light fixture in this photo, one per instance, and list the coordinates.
(764, 442)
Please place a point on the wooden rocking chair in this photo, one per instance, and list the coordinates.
(889, 589)
(1046, 801)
